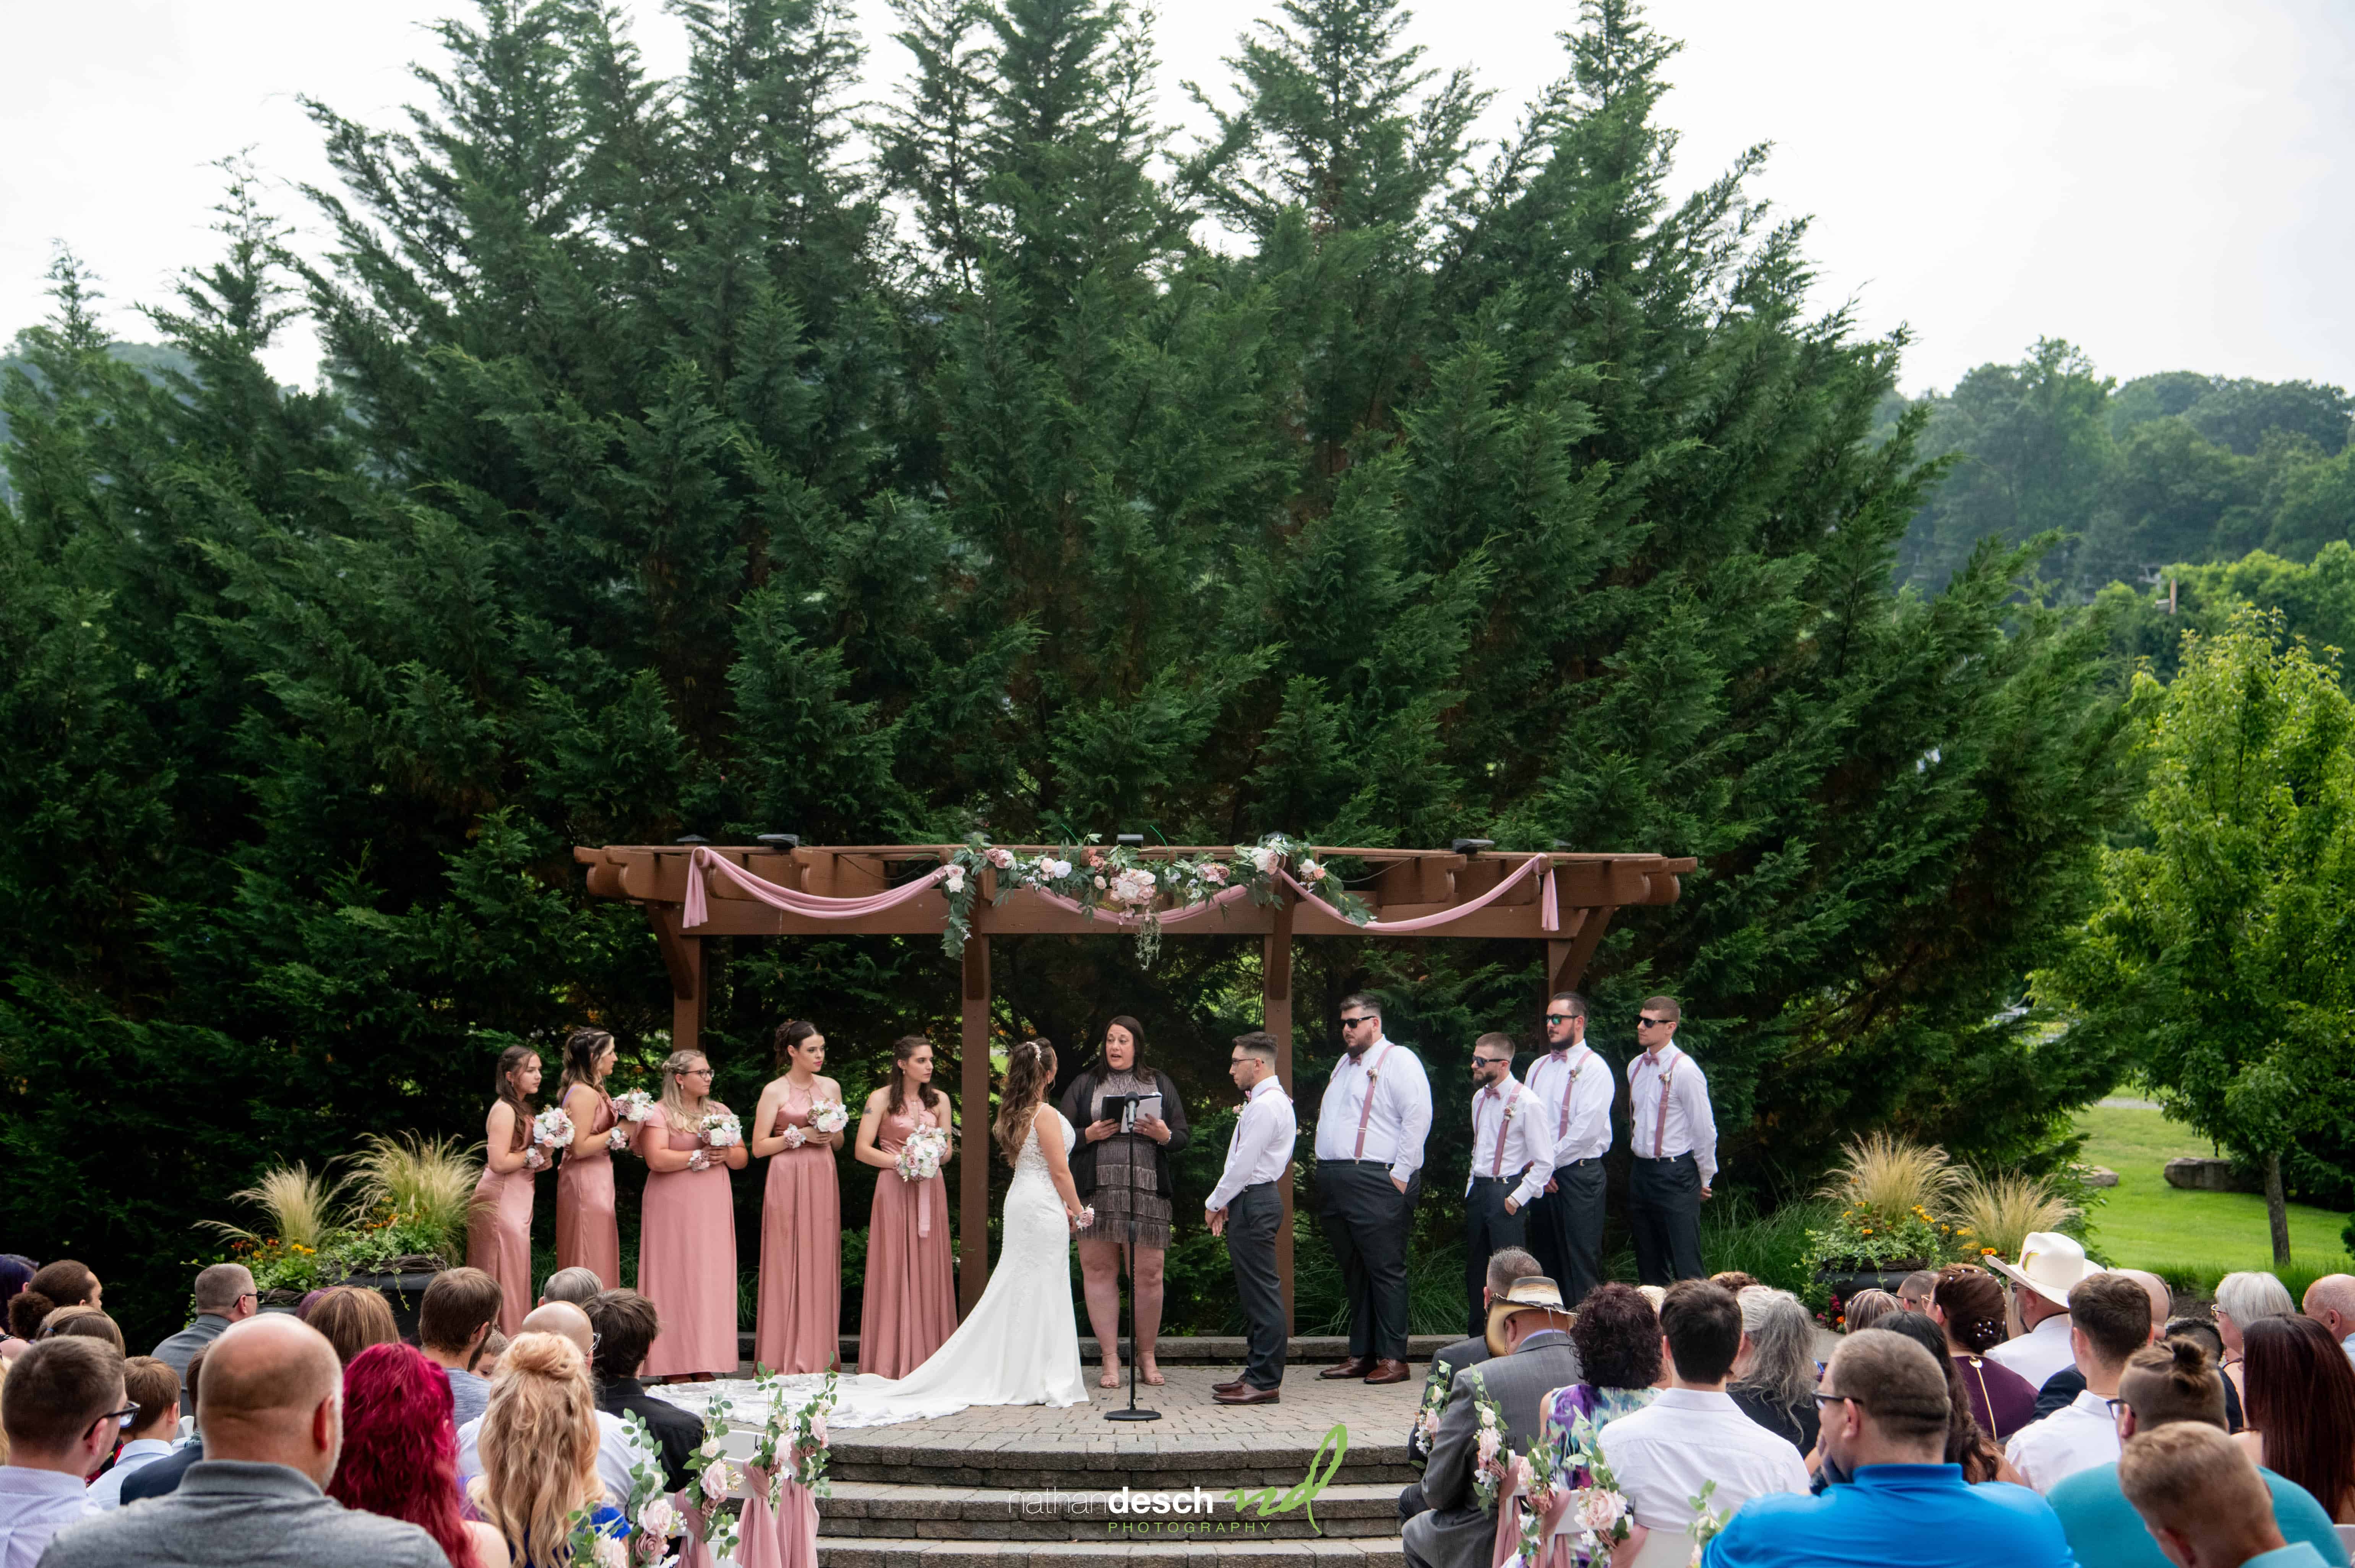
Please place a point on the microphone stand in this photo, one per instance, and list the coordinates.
(1131, 1413)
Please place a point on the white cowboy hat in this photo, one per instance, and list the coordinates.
(2050, 1263)
(1530, 1293)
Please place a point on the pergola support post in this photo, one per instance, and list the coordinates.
(1275, 1004)
(1566, 962)
(973, 1169)
(683, 957)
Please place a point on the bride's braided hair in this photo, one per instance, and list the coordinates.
(1029, 1069)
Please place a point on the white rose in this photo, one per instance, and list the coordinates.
(658, 1519)
(955, 881)
(717, 1481)
(818, 1429)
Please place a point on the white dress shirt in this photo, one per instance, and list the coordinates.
(615, 1456)
(1576, 1087)
(2347, 1344)
(1401, 1115)
(34, 1506)
(1691, 1129)
(1260, 1146)
(2077, 1436)
(2039, 1353)
(1663, 1453)
(106, 1493)
(1506, 1114)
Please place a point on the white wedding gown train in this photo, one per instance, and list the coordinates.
(1020, 1345)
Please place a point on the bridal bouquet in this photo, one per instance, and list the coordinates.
(550, 1128)
(628, 1110)
(829, 1117)
(920, 1156)
(721, 1129)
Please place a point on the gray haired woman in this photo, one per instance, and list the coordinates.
(2241, 1299)
(1775, 1372)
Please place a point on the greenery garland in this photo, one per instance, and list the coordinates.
(1124, 879)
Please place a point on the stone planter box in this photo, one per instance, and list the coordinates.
(405, 1290)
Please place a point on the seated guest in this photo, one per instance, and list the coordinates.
(1774, 1373)
(2050, 1267)
(459, 1312)
(1505, 1265)
(1617, 1336)
(16, 1273)
(1967, 1306)
(1866, 1309)
(1966, 1444)
(2329, 1301)
(62, 1408)
(155, 1388)
(353, 1318)
(486, 1364)
(1529, 1321)
(1693, 1432)
(2168, 1381)
(539, 1446)
(578, 1285)
(3, 1397)
(401, 1456)
(2244, 1298)
(225, 1295)
(2202, 1500)
(64, 1283)
(1735, 1280)
(2065, 1385)
(625, 1324)
(86, 1322)
(272, 1408)
(2109, 1318)
(162, 1477)
(1913, 1294)
(2201, 1332)
(1886, 1415)
(2301, 1394)
(617, 1453)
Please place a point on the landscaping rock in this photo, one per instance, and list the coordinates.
(2097, 1176)
(2199, 1173)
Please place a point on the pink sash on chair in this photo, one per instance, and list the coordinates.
(696, 1553)
(757, 1542)
(1557, 1551)
(796, 1526)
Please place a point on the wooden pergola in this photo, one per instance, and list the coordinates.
(1587, 890)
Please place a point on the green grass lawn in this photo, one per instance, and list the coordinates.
(2191, 1236)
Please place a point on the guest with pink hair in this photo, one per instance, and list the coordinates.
(401, 1453)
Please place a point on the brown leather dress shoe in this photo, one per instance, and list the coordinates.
(1386, 1371)
(1247, 1394)
(1228, 1386)
(1356, 1366)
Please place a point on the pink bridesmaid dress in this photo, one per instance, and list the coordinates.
(910, 1307)
(687, 1260)
(587, 1235)
(800, 1252)
(498, 1239)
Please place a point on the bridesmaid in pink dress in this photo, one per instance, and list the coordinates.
(587, 1235)
(686, 1237)
(801, 1212)
(498, 1228)
(910, 1307)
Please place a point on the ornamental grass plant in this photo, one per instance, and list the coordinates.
(1891, 1179)
(1999, 1211)
(301, 1207)
(424, 1187)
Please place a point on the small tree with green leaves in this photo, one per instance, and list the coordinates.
(2221, 953)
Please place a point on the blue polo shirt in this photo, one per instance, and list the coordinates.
(2106, 1532)
(1939, 1519)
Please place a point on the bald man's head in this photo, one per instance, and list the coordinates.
(2162, 1299)
(560, 1317)
(2330, 1302)
(273, 1393)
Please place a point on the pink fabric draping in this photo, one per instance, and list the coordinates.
(757, 1542)
(699, 906)
(1428, 922)
(1174, 917)
(796, 1525)
(695, 1551)
(1556, 1551)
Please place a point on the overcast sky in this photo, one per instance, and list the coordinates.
(2170, 184)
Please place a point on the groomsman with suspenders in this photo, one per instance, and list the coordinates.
(1573, 1083)
(1512, 1145)
(1370, 1129)
(1675, 1141)
(1247, 1208)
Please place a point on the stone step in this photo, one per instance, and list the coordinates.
(1183, 1350)
(1015, 1464)
(861, 1511)
(1217, 1552)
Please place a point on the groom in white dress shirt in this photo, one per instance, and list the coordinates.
(1247, 1208)
(1369, 1134)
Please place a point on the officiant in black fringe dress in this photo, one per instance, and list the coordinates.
(1107, 1167)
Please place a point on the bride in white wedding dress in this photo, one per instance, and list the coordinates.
(1020, 1344)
